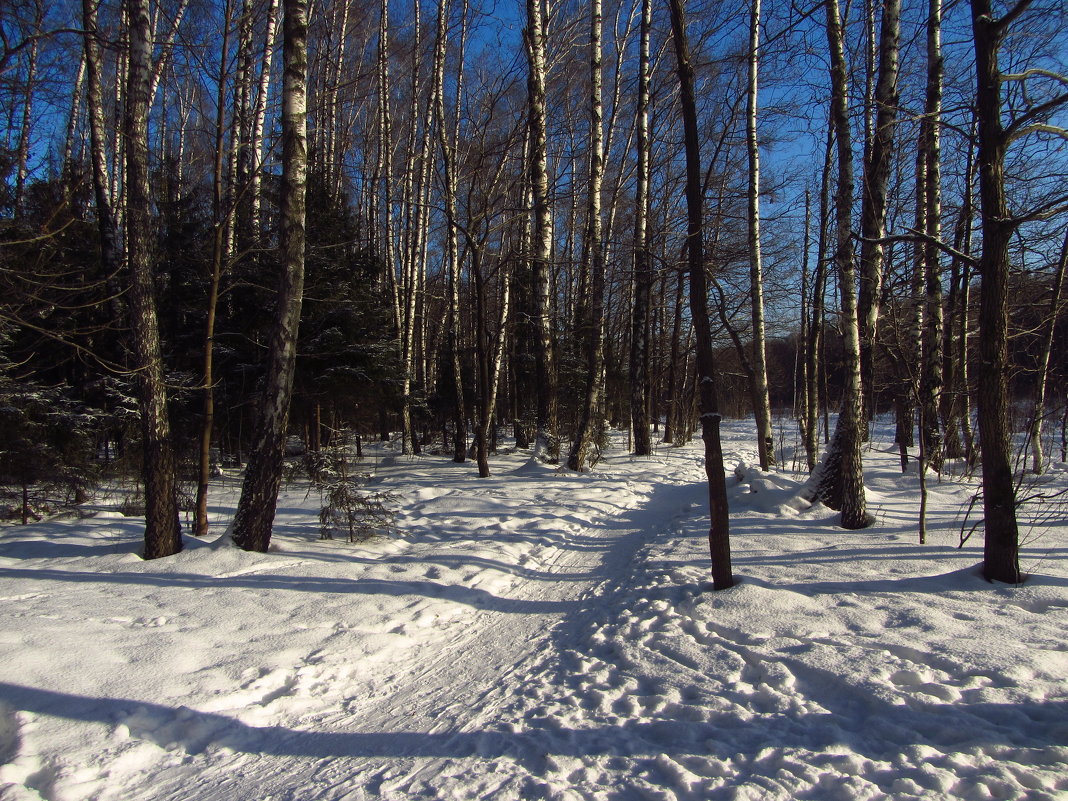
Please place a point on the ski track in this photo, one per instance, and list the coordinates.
(563, 645)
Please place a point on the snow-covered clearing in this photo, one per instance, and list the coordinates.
(539, 634)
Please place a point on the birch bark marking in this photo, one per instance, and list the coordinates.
(259, 118)
(546, 444)
(163, 536)
(594, 252)
(23, 149)
(105, 217)
(452, 254)
(761, 401)
(259, 493)
(876, 178)
(849, 432)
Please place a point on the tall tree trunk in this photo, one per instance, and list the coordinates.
(719, 530)
(546, 442)
(643, 268)
(839, 480)
(931, 385)
(594, 253)
(263, 476)
(1001, 557)
(165, 45)
(876, 178)
(222, 219)
(163, 535)
(452, 256)
(800, 387)
(407, 244)
(761, 401)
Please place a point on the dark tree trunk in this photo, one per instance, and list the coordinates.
(1001, 557)
(643, 270)
(719, 531)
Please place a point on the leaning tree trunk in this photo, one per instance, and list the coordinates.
(263, 476)
(163, 535)
(719, 530)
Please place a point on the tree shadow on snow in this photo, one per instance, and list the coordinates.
(471, 596)
(871, 727)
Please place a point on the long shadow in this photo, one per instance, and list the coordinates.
(472, 596)
(57, 549)
(877, 731)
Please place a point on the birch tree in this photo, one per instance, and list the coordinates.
(931, 384)
(594, 254)
(878, 158)
(162, 528)
(759, 372)
(263, 475)
(838, 480)
(546, 442)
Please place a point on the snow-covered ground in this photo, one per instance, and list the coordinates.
(540, 635)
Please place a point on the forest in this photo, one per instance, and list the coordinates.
(232, 230)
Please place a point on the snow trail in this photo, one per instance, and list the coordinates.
(538, 635)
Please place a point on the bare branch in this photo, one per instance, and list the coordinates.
(1038, 127)
(920, 236)
(1012, 15)
(1036, 72)
(1025, 119)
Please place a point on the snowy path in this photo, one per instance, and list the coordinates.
(538, 635)
(450, 700)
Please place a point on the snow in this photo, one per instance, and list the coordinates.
(541, 635)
